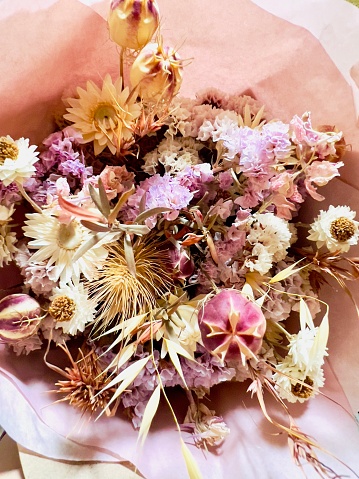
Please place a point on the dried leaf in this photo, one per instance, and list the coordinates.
(248, 291)
(285, 273)
(88, 245)
(142, 217)
(123, 198)
(78, 211)
(192, 466)
(149, 414)
(101, 202)
(96, 227)
(305, 315)
(258, 118)
(174, 358)
(129, 255)
(133, 229)
(126, 377)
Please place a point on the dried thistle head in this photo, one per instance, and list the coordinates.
(84, 383)
(119, 292)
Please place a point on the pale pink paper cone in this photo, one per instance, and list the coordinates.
(235, 47)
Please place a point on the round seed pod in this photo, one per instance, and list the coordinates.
(20, 316)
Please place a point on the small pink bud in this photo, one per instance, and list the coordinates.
(20, 316)
(157, 72)
(232, 326)
(181, 262)
(133, 23)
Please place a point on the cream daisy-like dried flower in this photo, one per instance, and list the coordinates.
(335, 228)
(105, 116)
(208, 429)
(297, 384)
(57, 243)
(71, 308)
(7, 245)
(120, 294)
(17, 159)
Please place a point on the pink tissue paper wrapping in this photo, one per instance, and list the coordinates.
(48, 48)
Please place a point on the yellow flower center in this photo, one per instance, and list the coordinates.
(105, 115)
(8, 149)
(69, 236)
(342, 229)
(302, 391)
(62, 308)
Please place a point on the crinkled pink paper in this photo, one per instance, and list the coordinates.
(49, 47)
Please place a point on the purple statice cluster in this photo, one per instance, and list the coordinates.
(61, 167)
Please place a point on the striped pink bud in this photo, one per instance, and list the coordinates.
(232, 326)
(20, 316)
(133, 23)
(157, 72)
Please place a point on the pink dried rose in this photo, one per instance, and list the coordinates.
(232, 326)
(20, 316)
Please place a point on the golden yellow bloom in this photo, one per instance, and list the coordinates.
(104, 116)
(133, 23)
(157, 72)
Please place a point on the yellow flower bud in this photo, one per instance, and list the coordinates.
(157, 72)
(133, 23)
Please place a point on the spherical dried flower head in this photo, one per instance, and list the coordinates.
(232, 326)
(133, 23)
(157, 72)
(335, 228)
(20, 316)
(17, 160)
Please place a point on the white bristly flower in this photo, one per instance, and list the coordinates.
(335, 229)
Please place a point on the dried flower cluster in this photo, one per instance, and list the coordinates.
(164, 235)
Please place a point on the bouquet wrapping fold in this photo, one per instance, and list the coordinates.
(50, 47)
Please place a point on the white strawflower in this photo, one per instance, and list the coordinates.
(300, 349)
(57, 243)
(5, 214)
(71, 308)
(297, 384)
(17, 159)
(7, 245)
(335, 229)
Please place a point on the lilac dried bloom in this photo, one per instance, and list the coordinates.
(9, 194)
(39, 277)
(161, 191)
(195, 178)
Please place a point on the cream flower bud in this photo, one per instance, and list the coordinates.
(157, 72)
(133, 23)
(20, 316)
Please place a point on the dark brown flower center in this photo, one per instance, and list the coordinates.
(8, 149)
(62, 308)
(302, 391)
(342, 229)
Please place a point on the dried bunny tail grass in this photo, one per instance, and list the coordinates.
(301, 445)
(120, 293)
(84, 384)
